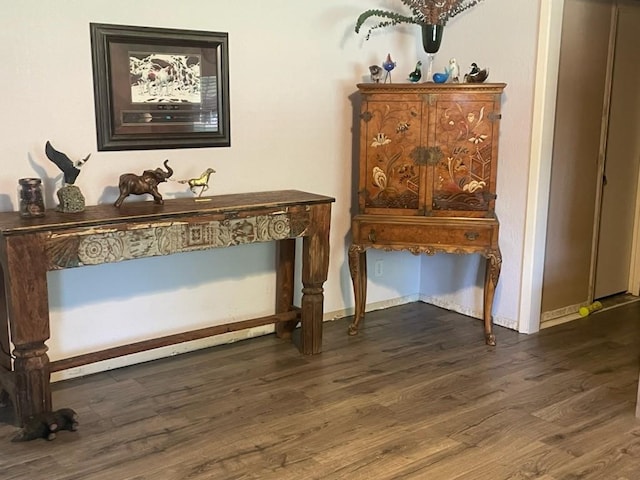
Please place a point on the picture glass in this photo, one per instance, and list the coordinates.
(160, 88)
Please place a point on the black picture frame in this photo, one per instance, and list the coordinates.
(160, 88)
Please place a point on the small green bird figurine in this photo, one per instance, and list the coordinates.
(416, 75)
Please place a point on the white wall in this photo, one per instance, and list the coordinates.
(501, 35)
(293, 66)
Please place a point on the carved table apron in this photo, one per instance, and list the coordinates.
(104, 234)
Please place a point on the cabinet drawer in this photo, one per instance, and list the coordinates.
(381, 233)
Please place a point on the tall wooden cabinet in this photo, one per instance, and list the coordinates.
(427, 177)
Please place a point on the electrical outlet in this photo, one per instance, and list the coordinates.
(378, 270)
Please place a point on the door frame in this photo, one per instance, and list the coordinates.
(544, 105)
(634, 273)
(602, 152)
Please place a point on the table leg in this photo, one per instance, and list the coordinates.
(492, 273)
(28, 310)
(7, 382)
(5, 344)
(285, 267)
(315, 268)
(358, 270)
(33, 390)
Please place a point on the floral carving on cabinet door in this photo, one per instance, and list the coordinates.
(393, 131)
(463, 174)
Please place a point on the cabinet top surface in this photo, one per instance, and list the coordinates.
(134, 211)
(430, 87)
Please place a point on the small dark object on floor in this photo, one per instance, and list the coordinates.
(47, 424)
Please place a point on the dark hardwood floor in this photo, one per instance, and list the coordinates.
(417, 395)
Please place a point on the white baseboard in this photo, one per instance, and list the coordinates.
(454, 307)
(568, 311)
(194, 345)
(163, 352)
(232, 337)
(571, 313)
(552, 322)
(370, 307)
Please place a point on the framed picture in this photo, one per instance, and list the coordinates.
(160, 88)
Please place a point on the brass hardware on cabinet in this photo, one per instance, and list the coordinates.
(366, 116)
(372, 236)
(471, 235)
(488, 196)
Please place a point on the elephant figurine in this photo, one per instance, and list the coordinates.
(130, 183)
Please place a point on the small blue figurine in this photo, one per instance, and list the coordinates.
(440, 77)
(388, 65)
(416, 75)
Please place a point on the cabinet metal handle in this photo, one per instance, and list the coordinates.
(372, 236)
(471, 235)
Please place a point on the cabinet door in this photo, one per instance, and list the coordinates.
(463, 130)
(391, 131)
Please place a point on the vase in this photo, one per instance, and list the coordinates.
(432, 37)
(431, 40)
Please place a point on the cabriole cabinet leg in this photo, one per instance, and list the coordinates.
(492, 273)
(358, 270)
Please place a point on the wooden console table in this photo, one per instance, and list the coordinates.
(104, 234)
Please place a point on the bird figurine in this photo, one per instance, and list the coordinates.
(416, 75)
(69, 195)
(69, 169)
(440, 77)
(388, 65)
(453, 70)
(476, 75)
(376, 73)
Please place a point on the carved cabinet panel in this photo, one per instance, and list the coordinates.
(429, 149)
(393, 132)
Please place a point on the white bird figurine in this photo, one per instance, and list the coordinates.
(453, 70)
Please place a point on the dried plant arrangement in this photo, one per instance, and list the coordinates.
(423, 12)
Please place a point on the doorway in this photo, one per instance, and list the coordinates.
(622, 155)
(593, 206)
